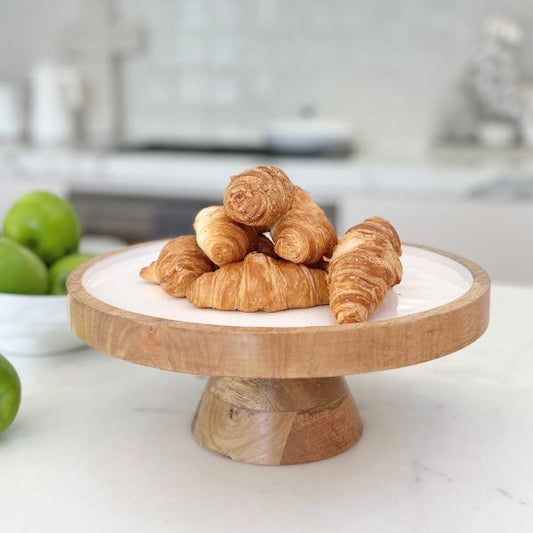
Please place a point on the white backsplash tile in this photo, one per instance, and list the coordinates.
(189, 51)
(193, 15)
(217, 67)
(226, 90)
(225, 50)
(194, 88)
(226, 13)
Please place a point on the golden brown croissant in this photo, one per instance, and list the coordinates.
(179, 263)
(381, 226)
(260, 283)
(303, 234)
(364, 266)
(222, 239)
(258, 196)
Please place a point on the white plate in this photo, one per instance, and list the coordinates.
(430, 280)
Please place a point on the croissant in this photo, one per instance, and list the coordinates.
(222, 239)
(364, 266)
(303, 234)
(258, 196)
(179, 263)
(381, 226)
(260, 283)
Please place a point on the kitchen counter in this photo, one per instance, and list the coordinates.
(104, 445)
(444, 197)
(447, 173)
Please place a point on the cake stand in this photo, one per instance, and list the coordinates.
(277, 392)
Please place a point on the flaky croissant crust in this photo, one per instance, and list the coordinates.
(380, 226)
(364, 266)
(222, 239)
(179, 263)
(258, 196)
(260, 283)
(304, 234)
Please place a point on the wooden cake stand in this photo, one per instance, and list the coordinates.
(277, 394)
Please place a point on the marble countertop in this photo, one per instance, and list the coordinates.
(104, 445)
(448, 173)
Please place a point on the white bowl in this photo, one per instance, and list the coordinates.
(33, 325)
(309, 136)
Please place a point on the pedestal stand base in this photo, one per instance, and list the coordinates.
(277, 421)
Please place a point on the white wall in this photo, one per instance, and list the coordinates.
(216, 68)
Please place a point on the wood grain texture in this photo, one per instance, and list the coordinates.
(302, 352)
(277, 422)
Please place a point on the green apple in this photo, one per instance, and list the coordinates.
(44, 223)
(60, 270)
(21, 271)
(9, 393)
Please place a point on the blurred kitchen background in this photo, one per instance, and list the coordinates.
(139, 111)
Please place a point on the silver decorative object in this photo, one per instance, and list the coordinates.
(494, 73)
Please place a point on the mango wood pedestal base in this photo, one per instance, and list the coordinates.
(277, 421)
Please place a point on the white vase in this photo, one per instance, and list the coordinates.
(11, 113)
(56, 97)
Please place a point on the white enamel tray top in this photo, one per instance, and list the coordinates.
(430, 280)
(440, 306)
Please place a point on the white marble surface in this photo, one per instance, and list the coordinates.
(104, 445)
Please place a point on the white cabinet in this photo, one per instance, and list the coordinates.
(496, 234)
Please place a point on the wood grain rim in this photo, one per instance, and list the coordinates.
(266, 352)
